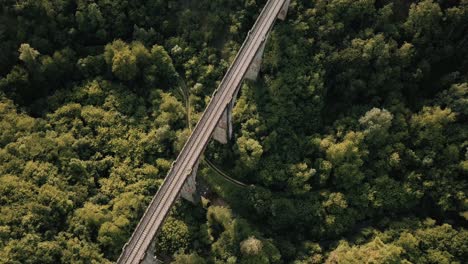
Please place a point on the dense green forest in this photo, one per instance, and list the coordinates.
(353, 141)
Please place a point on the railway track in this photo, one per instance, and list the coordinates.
(134, 251)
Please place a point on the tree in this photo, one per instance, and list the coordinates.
(79, 251)
(164, 69)
(174, 237)
(121, 60)
(376, 119)
(169, 111)
(124, 65)
(346, 158)
(373, 252)
(188, 258)
(250, 151)
(429, 124)
(113, 235)
(424, 19)
(301, 174)
(28, 55)
(91, 20)
(88, 220)
(251, 246)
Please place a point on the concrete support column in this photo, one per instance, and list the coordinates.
(284, 11)
(150, 256)
(254, 69)
(189, 190)
(223, 130)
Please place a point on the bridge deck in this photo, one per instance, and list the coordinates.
(135, 249)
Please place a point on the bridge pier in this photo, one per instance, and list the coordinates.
(254, 69)
(189, 190)
(223, 130)
(284, 11)
(150, 256)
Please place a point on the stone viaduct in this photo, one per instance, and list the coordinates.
(216, 123)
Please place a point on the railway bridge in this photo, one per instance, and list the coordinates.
(216, 123)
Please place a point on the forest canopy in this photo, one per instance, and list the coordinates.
(352, 143)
